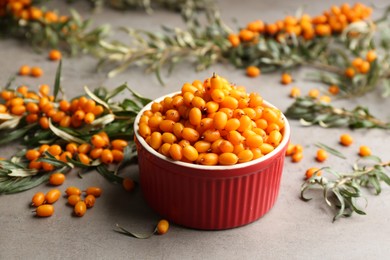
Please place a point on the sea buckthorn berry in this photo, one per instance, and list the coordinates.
(371, 56)
(57, 178)
(190, 153)
(286, 79)
(55, 55)
(164, 149)
(349, 72)
(98, 141)
(118, 155)
(245, 156)
(220, 120)
(73, 199)
(176, 152)
(156, 140)
(84, 148)
(195, 116)
(298, 148)
(295, 92)
(254, 141)
(73, 191)
(95, 191)
(83, 158)
(128, 184)
(266, 148)
(365, 67)
(32, 107)
(169, 138)
(52, 196)
(72, 148)
(18, 110)
(297, 157)
(252, 71)
(24, 70)
(38, 199)
(46, 210)
(107, 157)
(90, 201)
(80, 208)
(95, 153)
(274, 138)
(167, 125)
(234, 40)
(64, 156)
(218, 95)
(144, 130)
(162, 227)
(346, 140)
(190, 134)
(32, 154)
(364, 151)
(44, 90)
(89, 118)
(333, 89)
(208, 159)
(36, 72)
(314, 93)
(55, 149)
(227, 159)
(47, 166)
(313, 171)
(322, 155)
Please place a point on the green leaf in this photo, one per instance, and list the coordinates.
(109, 175)
(342, 204)
(57, 81)
(64, 135)
(16, 134)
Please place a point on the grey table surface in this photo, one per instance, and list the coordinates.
(292, 229)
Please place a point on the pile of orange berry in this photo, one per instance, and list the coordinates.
(212, 122)
(44, 202)
(322, 155)
(24, 9)
(41, 106)
(100, 148)
(333, 21)
(360, 65)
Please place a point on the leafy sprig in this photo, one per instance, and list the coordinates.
(311, 111)
(344, 191)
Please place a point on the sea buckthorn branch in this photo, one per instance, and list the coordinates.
(346, 188)
(314, 112)
(89, 132)
(205, 45)
(26, 20)
(150, 5)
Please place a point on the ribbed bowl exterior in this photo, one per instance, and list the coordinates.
(213, 197)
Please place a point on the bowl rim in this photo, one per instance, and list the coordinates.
(275, 152)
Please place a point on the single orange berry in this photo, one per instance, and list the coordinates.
(313, 171)
(73, 199)
(55, 55)
(128, 184)
(73, 191)
(36, 72)
(349, 72)
(38, 199)
(286, 79)
(24, 70)
(333, 89)
(46, 210)
(57, 178)
(90, 201)
(95, 191)
(364, 151)
(80, 208)
(322, 155)
(52, 196)
(162, 227)
(252, 71)
(371, 56)
(346, 140)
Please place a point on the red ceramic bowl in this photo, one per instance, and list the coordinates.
(209, 197)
